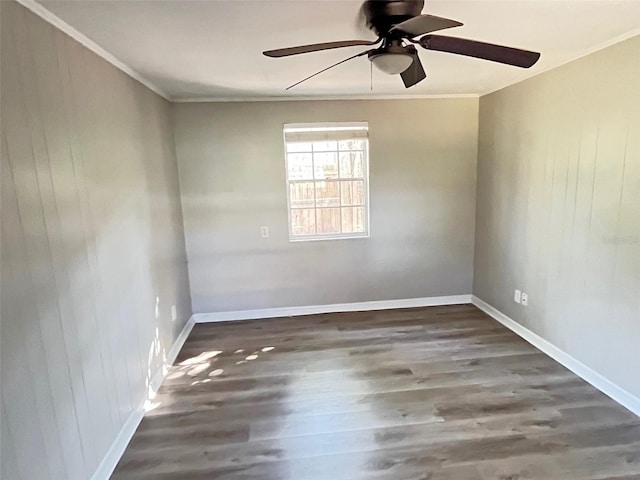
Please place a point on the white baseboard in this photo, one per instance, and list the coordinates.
(333, 308)
(119, 445)
(111, 459)
(606, 386)
(173, 352)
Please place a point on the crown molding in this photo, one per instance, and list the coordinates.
(601, 46)
(57, 22)
(60, 24)
(320, 98)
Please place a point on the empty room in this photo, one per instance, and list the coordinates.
(320, 240)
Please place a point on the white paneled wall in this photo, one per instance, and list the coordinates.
(558, 212)
(93, 255)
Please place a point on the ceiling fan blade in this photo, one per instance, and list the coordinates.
(415, 73)
(316, 47)
(485, 51)
(329, 67)
(424, 24)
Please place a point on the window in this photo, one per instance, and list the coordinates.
(327, 180)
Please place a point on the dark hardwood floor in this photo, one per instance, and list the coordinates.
(430, 393)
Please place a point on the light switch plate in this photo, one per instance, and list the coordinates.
(517, 296)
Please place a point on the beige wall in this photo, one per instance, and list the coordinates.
(91, 247)
(422, 190)
(559, 208)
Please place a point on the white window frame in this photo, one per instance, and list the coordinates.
(320, 127)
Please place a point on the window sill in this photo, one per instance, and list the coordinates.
(329, 237)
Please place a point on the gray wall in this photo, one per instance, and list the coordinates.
(422, 197)
(91, 247)
(559, 208)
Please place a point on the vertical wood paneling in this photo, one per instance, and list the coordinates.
(76, 229)
(56, 304)
(583, 212)
(42, 320)
(82, 228)
(80, 99)
(16, 328)
(8, 466)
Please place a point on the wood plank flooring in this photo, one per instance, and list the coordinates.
(439, 393)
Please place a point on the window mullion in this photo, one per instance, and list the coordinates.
(315, 201)
(339, 188)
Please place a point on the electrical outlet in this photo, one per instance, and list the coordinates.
(264, 232)
(174, 313)
(517, 296)
(525, 299)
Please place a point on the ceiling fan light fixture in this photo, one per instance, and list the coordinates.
(392, 63)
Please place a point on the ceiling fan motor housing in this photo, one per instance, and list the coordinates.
(381, 15)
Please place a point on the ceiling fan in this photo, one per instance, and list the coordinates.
(399, 26)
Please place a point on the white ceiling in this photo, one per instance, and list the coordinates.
(212, 49)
